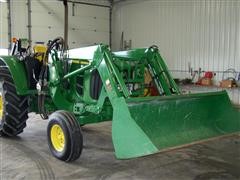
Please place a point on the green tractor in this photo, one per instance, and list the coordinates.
(132, 88)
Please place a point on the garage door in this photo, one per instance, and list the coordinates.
(88, 25)
(3, 27)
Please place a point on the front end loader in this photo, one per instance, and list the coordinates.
(132, 88)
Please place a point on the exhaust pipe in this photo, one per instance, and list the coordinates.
(65, 3)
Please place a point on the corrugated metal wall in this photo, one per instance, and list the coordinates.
(199, 33)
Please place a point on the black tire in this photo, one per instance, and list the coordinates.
(14, 106)
(73, 139)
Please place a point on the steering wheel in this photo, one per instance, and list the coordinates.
(57, 44)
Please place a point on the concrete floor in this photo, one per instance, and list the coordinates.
(28, 157)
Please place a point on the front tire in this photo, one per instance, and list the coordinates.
(13, 107)
(64, 136)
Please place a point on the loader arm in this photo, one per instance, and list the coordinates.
(146, 125)
(123, 126)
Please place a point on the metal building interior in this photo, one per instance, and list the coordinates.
(119, 89)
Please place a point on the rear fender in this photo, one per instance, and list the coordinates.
(18, 73)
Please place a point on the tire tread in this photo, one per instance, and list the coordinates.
(15, 107)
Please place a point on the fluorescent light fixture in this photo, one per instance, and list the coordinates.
(3, 0)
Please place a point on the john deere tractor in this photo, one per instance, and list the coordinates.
(132, 88)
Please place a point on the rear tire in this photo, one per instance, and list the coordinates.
(13, 107)
(64, 136)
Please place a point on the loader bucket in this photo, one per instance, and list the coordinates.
(143, 126)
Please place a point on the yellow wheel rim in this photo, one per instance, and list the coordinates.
(1, 107)
(57, 138)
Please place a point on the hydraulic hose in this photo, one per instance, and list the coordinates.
(57, 44)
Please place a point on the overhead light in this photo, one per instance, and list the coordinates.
(3, 0)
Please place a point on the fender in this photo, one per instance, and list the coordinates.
(18, 73)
